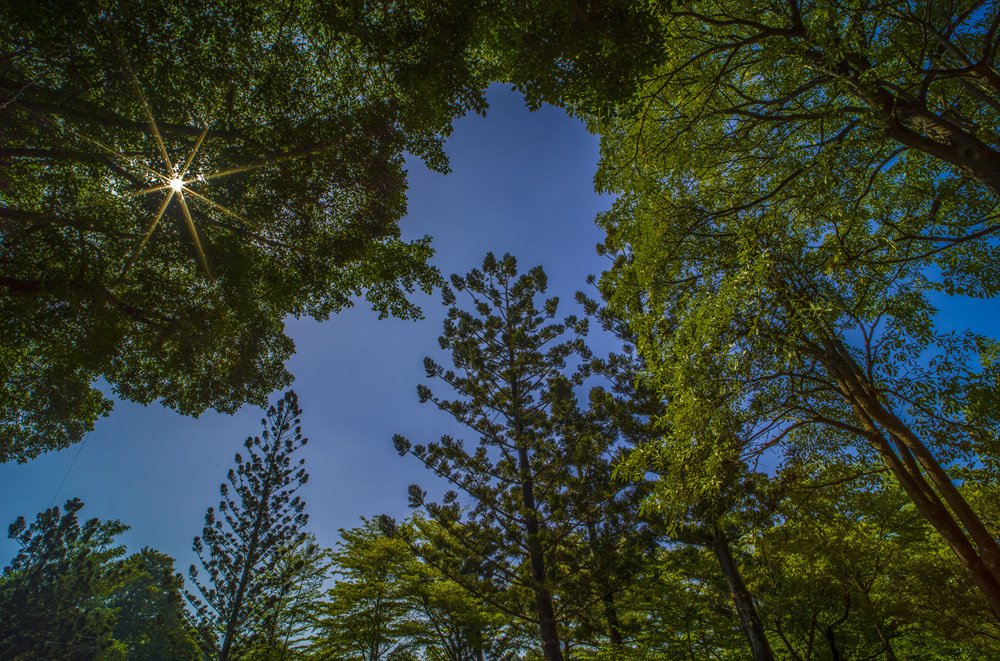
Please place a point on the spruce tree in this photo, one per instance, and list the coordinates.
(259, 519)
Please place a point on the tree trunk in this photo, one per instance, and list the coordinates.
(606, 593)
(236, 614)
(543, 600)
(974, 546)
(745, 608)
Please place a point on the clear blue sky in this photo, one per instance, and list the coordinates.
(521, 183)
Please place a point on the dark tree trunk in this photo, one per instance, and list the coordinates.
(606, 593)
(745, 608)
(543, 599)
(236, 615)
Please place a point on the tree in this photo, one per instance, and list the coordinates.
(388, 602)
(149, 603)
(289, 205)
(537, 457)
(179, 180)
(791, 104)
(300, 573)
(750, 312)
(54, 595)
(259, 521)
(443, 588)
(365, 615)
(854, 569)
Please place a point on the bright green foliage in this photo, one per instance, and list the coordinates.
(299, 574)
(253, 549)
(855, 566)
(801, 105)
(364, 616)
(388, 603)
(779, 290)
(445, 588)
(680, 608)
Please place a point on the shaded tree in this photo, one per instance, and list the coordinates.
(258, 522)
(149, 602)
(55, 594)
(527, 521)
(300, 116)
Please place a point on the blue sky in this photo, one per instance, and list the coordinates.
(521, 182)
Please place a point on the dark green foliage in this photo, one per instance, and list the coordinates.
(314, 103)
(54, 595)
(312, 222)
(546, 528)
(150, 607)
(243, 601)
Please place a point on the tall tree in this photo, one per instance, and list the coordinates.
(749, 312)
(545, 518)
(299, 574)
(55, 594)
(365, 615)
(259, 520)
(511, 376)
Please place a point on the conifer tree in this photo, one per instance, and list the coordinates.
(260, 518)
(53, 595)
(511, 371)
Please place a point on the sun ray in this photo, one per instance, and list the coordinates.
(223, 209)
(93, 205)
(194, 235)
(194, 152)
(146, 237)
(145, 106)
(111, 150)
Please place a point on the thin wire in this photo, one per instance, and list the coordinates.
(155, 432)
(68, 470)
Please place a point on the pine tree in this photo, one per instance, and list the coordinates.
(260, 517)
(54, 594)
(511, 369)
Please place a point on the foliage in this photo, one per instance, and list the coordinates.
(300, 116)
(389, 603)
(70, 593)
(253, 550)
(854, 566)
(543, 515)
(53, 595)
(149, 603)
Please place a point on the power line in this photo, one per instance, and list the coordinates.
(66, 475)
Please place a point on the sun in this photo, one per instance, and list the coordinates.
(171, 178)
